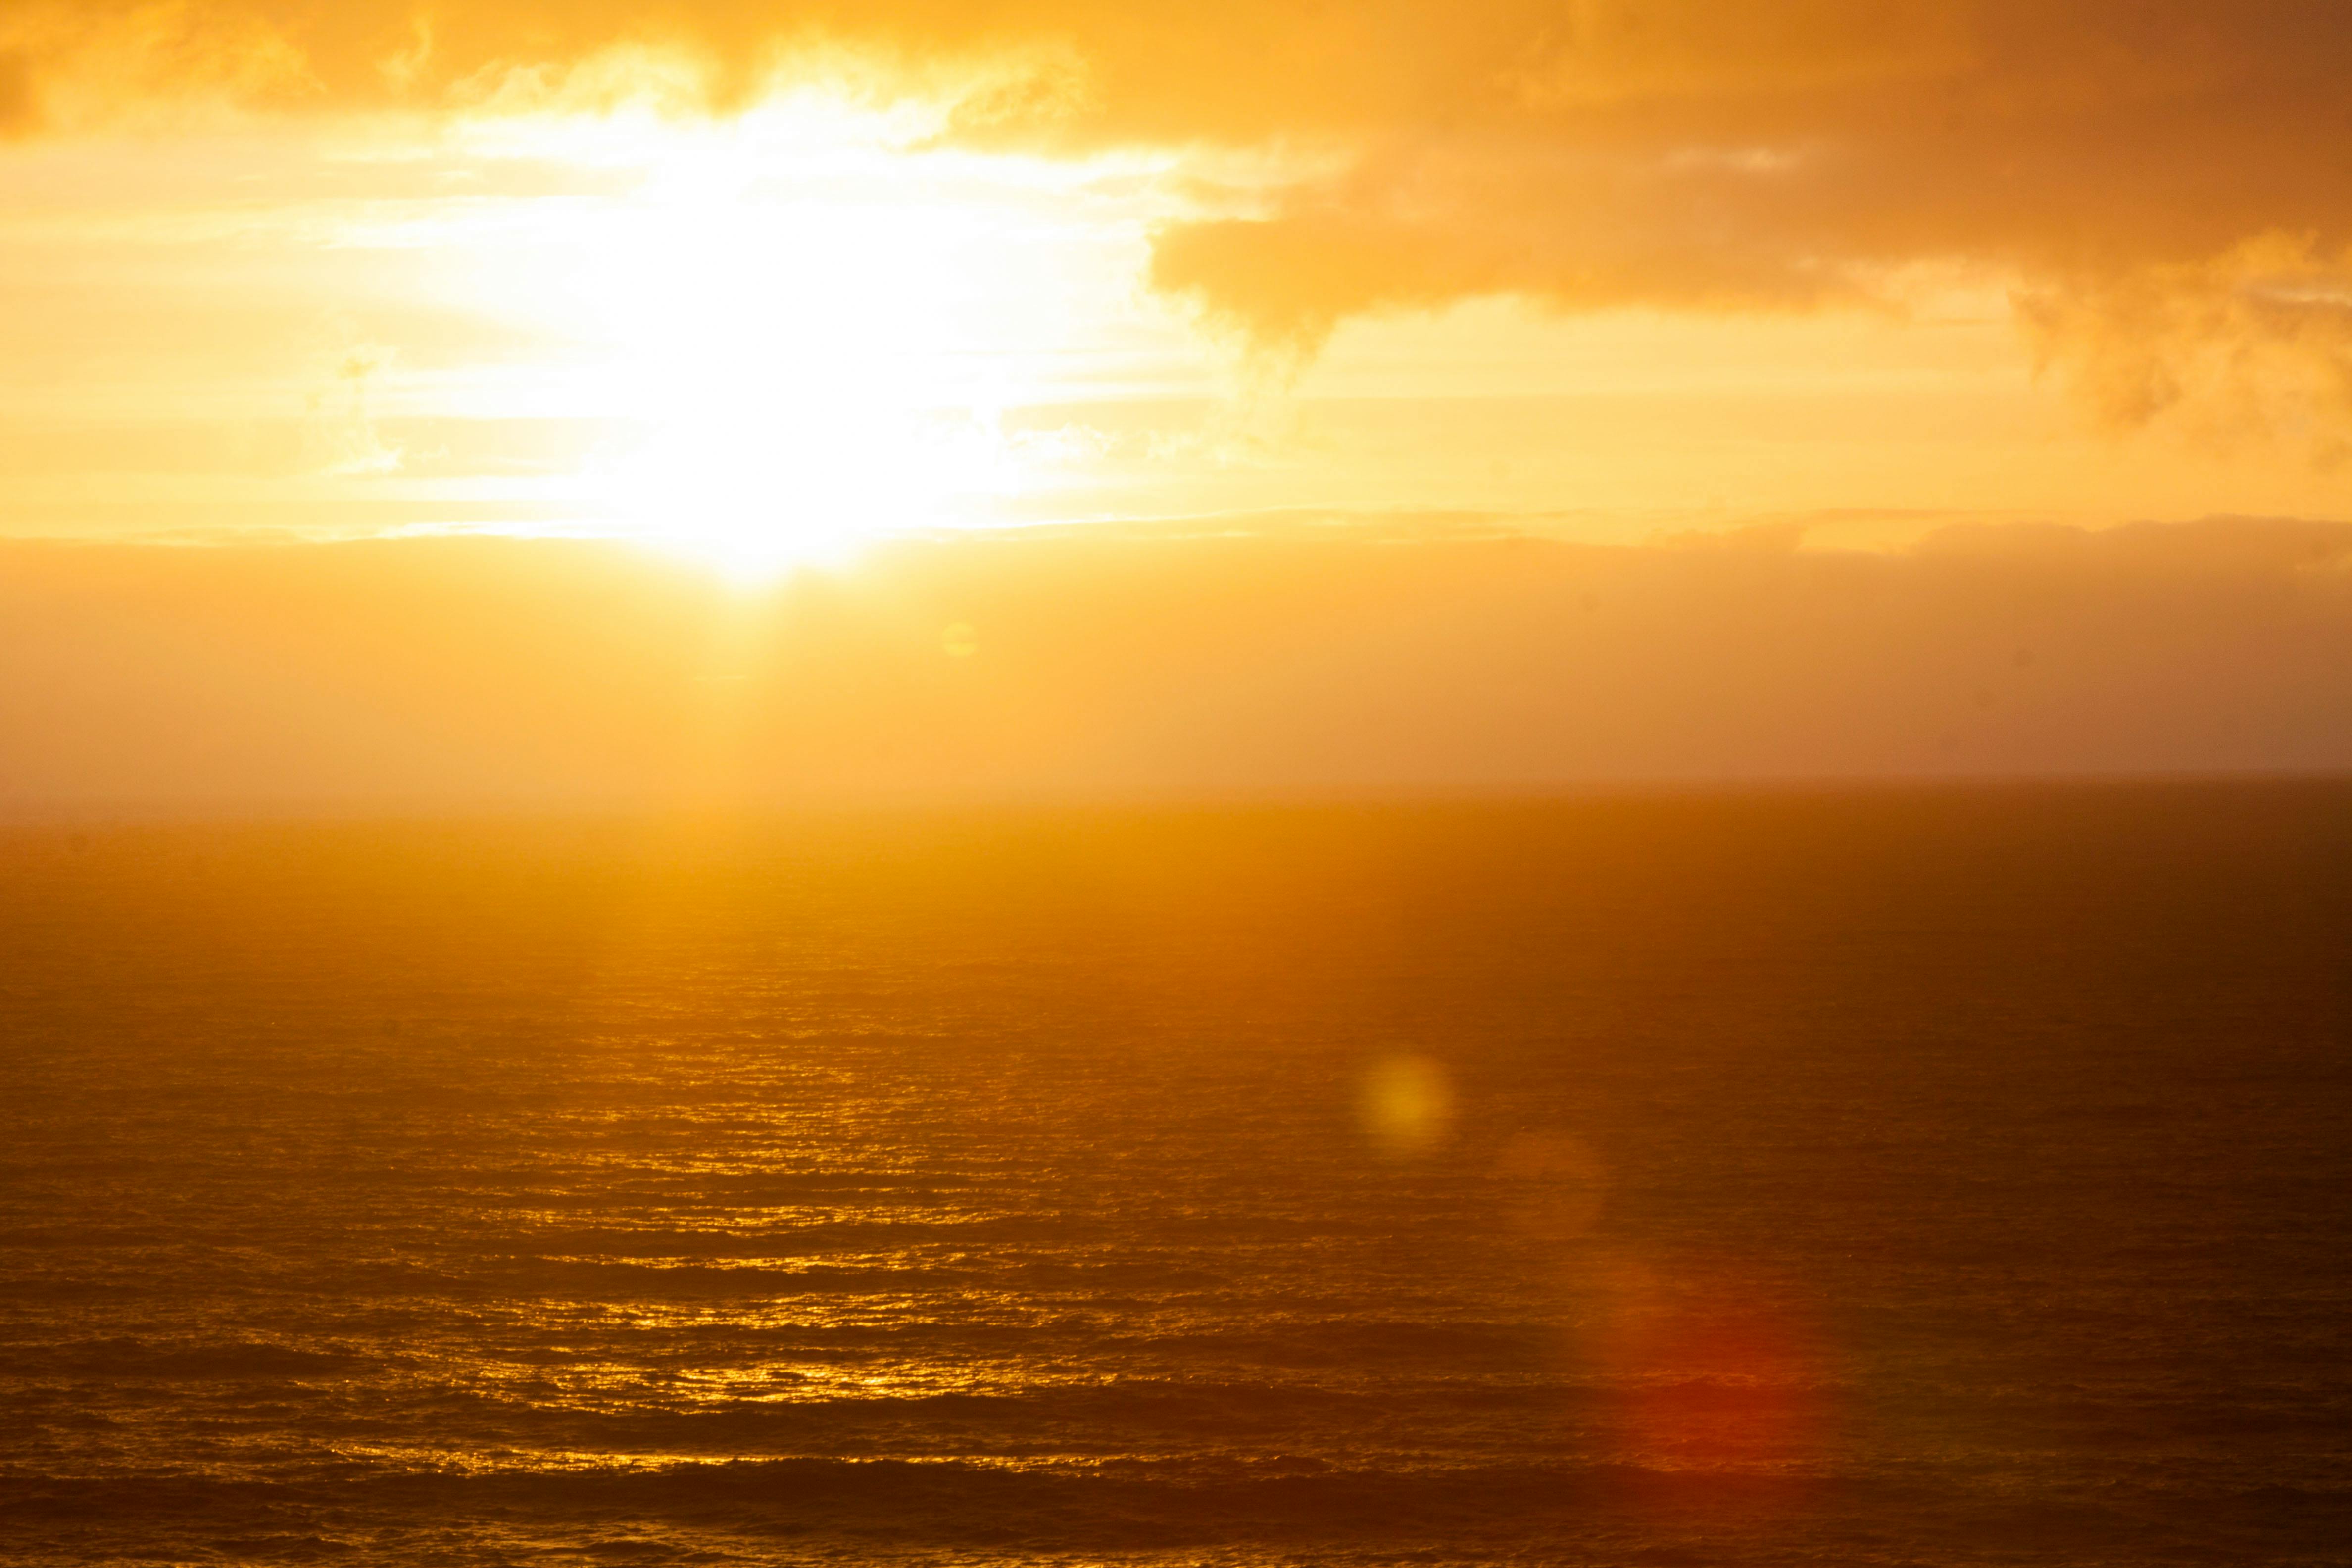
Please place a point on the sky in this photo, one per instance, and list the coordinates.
(626, 400)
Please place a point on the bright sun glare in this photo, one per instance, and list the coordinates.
(804, 323)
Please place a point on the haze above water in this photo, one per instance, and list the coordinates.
(1914, 1177)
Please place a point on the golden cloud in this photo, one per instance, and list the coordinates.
(2118, 160)
(1227, 656)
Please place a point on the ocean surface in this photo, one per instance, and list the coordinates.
(1911, 1176)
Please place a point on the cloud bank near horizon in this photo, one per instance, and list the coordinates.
(434, 673)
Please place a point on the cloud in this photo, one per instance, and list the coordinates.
(2113, 159)
(2255, 343)
(1222, 656)
(2167, 187)
(342, 436)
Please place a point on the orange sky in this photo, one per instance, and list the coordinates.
(1890, 301)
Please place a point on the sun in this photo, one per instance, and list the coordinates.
(758, 479)
(803, 325)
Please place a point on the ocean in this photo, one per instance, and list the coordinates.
(1929, 1175)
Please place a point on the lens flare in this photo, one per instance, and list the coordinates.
(1407, 1106)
